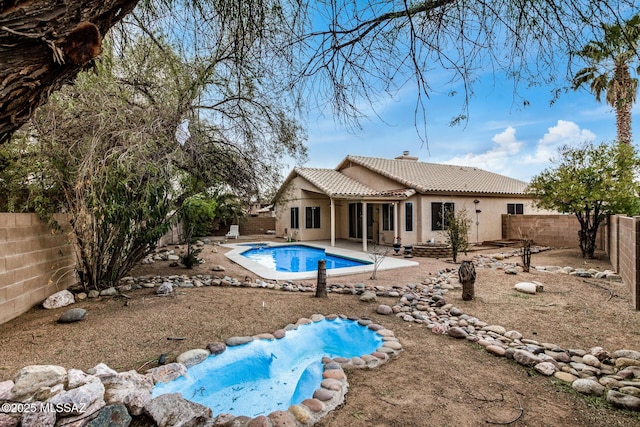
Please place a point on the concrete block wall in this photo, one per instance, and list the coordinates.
(34, 263)
(558, 231)
(256, 225)
(624, 235)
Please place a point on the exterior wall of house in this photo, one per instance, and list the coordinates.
(34, 263)
(485, 225)
(302, 194)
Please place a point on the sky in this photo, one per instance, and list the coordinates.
(498, 136)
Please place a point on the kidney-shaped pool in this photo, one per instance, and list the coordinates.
(268, 375)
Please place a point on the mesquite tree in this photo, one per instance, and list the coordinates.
(108, 144)
(591, 182)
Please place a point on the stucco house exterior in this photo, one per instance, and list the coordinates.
(387, 199)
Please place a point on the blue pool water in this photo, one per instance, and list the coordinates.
(297, 258)
(268, 375)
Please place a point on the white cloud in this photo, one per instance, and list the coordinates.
(497, 158)
(564, 133)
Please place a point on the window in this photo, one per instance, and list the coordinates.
(439, 213)
(312, 216)
(295, 217)
(408, 216)
(387, 217)
(515, 208)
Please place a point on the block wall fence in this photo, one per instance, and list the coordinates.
(34, 263)
(558, 231)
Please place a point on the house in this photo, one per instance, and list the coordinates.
(394, 198)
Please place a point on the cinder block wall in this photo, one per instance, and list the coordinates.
(624, 236)
(34, 263)
(559, 231)
(257, 225)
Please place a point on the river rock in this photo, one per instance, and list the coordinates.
(588, 386)
(72, 315)
(526, 358)
(172, 410)
(238, 340)
(109, 292)
(216, 348)
(384, 309)
(546, 368)
(368, 296)
(629, 354)
(457, 332)
(31, 378)
(192, 357)
(217, 268)
(165, 288)
(622, 400)
(59, 299)
(526, 287)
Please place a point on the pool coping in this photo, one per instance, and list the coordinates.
(388, 263)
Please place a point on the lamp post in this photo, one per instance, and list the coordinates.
(476, 202)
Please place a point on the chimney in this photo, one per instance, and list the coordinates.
(406, 156)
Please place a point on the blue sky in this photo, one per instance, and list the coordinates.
(498, 136)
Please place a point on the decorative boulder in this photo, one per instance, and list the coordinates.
(526, 287)
(32, 378)
(173, 410)
(73, 315)
(59, 299)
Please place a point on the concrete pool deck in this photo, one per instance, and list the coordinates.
(342, 248)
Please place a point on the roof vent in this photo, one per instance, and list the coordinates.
(406, 156)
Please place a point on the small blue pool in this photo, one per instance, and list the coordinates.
(269, 375)
(297, 258)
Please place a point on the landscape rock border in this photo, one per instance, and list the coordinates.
(101, 391)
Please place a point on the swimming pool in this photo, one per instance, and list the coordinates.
(297, 258)
(268, 375)
(365, 265)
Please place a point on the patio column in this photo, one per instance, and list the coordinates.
(364, 226)
(333, 223)
(396, 230)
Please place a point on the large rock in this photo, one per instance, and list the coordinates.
(111, 416)
(166, 373)
(59, 299)
(72, 315)
(526, 287)
(172, 410)
(76, 401)
(622, 400)
(32, 378)
(39, 419)
(130, 388)
(368, 296)
(5, 389)
(587, 386)
(192, 357)
(7, 420)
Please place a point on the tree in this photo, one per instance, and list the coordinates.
(590, 182)
(347, 52)
(457, 231)
(608, 71)
(109, 146)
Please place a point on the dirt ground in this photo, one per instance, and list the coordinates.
(436, 381)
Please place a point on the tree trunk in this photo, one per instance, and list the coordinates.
(321, 287)
(467, 276)
(31, 34)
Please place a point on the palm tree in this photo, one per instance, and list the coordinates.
(608, 71)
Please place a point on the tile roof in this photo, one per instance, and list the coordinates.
(434, 177)
(335, 184)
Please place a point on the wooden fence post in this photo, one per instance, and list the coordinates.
(321, 287)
